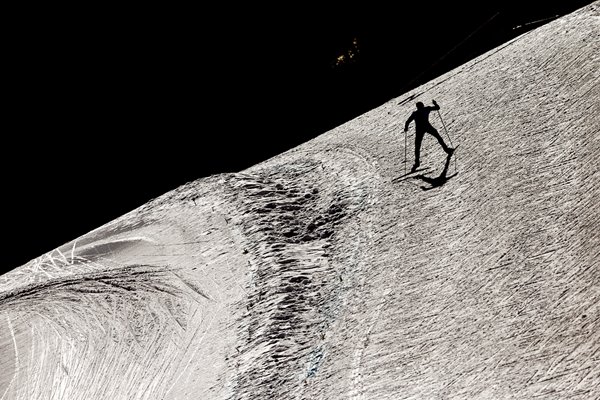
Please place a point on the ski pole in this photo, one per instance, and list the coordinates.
(405, 135)
(447, 134)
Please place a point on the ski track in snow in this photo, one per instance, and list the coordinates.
(317, 275)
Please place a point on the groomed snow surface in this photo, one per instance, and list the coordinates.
(319, 274)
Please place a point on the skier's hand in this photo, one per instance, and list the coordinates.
(433, 101)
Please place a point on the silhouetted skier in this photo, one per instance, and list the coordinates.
(422, 125)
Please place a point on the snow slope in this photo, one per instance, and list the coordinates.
(318, 274)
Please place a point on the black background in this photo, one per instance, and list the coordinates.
(111, 106)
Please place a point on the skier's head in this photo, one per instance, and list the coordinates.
(420, 105)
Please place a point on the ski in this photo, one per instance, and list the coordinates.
(410, 174)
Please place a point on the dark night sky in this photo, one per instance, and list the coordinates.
(114, 106)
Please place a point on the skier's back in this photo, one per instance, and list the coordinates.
(421, 117)
(422, 125)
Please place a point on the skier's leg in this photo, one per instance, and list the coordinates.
(433, 132)
(418, 141)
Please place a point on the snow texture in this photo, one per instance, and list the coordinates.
(319, 275)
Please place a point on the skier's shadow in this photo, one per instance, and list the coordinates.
(438, 181)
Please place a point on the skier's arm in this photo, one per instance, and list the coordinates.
(408, 121)
(436, 106)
